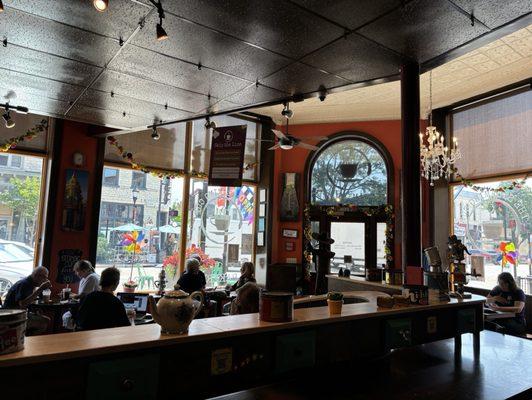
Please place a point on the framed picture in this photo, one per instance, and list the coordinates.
(260, 239)
(289, 246)
(262, 210)
(75, 200)
(262, 225)
(290, 233)
(262, 195)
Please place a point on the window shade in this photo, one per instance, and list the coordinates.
(495, 138)
(167, 153)
(23, 123)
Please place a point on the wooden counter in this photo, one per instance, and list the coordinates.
(39, 349)
(358, 283)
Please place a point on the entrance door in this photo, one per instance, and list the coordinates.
(349, 247)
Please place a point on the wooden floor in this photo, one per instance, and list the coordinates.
(503, 371)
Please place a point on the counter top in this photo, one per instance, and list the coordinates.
(104, 341)
(362, 280)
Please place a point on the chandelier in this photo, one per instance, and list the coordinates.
(437, 159)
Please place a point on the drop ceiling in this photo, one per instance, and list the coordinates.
(64, 59)
(495, 65)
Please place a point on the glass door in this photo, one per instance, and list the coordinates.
(349, 247)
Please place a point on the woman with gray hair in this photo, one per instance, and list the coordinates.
(193, 279)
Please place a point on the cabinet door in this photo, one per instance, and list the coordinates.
(398, 333)
(124, 378)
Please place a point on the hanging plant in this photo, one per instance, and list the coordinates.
(158, 172)
(11, 143)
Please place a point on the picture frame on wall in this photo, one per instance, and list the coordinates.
(289, 246)
(260, 239)
(290, 233)
(262, 195)
(75, 200)
(290, 197)
(262, 210)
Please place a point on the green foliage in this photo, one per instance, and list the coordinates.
(105, 251)
(23, 195)
(335, 296)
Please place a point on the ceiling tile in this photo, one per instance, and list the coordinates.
(348, 13)
(107, 117)
(51, 37)
(196, 44)
(153, 92)
(422, 30)
(118, 103)
(163, 69)
(356, 59)
(300, 78)
(36, 104)
(39, 87)
(492, 14)
(254, 95)
(275, 25)
(119, 20)
(46, 65)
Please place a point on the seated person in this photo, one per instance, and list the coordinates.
(247, 274)
(102, 309)
(247, 299)
(22, 294)
(506, 296)
(89, 282)
(89, 279)
(193, 279)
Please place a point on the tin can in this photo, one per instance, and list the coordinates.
(12, 330)
(276, 307)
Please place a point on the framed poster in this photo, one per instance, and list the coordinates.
(75, 200)
(262, 225)
(227, 156)
(289, 197)
(289, 246)
(262, 195)
(262, 210)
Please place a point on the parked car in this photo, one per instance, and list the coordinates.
(16, 262)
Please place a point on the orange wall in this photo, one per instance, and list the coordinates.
(387, 132)
(74, 139)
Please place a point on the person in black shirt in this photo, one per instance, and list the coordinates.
(506, 296)
(193, 279)
(102, 309)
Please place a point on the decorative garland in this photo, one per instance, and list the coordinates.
(160, 173)
(11, 143)
(515, 184)
(385, 210)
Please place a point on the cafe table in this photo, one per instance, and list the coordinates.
(54, 310)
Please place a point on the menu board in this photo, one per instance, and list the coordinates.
(227, 156)
(65, 265)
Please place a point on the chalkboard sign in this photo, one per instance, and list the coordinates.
(65, 265)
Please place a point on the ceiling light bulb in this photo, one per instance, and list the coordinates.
(161, 33)
(154, 134)
(8, 120)
(286, 146)
(100, 5)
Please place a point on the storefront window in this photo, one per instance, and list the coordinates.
(20, 204)
(496, 226)
(220, 229)
(151, 217)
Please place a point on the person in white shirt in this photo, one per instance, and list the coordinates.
(89, 280)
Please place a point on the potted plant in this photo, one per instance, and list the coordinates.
(335, 301)
(132, 244)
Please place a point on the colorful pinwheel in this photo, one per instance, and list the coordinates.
(133, 242)
(508, 253)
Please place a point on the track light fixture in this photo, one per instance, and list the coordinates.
(154, 134)
(209, 124)
(323, 93)
(161, 33)
(100, 5)
(287, 113)
(1, 6)
(9, 122)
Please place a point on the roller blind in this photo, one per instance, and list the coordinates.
(23, 123)
(495, 138)
(167, 153)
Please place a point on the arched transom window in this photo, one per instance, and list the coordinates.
(349, 171)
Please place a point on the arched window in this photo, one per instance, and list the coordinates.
(349, 169)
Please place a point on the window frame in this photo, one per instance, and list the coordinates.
(43, 195)
(370, 222)
(117, 184)
(144, 179)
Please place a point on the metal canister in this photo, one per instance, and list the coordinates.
(276, 306)
(12, 330)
